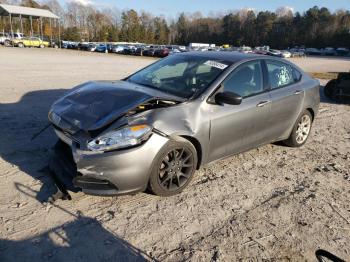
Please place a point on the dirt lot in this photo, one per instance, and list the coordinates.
(273, 203)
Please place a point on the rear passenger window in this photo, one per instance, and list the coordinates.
(281, 74)
(296, 75)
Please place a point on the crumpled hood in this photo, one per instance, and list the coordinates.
(93, 105)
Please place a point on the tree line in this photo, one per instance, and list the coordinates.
(316, 27)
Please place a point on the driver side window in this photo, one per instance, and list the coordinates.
(246, 80)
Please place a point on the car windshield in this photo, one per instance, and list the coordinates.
(181, 75)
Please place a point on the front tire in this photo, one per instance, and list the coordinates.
(42, 46)
(173, 168)
(20, 45)
(301, 130)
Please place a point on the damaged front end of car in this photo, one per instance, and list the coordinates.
(100, 151)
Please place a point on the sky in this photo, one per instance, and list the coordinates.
(171, 8)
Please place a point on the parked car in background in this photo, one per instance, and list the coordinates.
(30, 42)
(182, 48)
(274, 52)
(84, 46)
(149, 51)
(262, 50)
(296, 53)
(72, 45)
(313, 51)
(245, 49)
(91, 47)
(339, 89)
(342, 51)
(154, 129)
(173, 49)
(4, 37)
(330, 51)
(118, 49)
(161, 52)
(103, 48)
(129, 50)
(139, 51)
(286, 54)
(8, 37)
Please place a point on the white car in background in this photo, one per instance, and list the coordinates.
(286, 54)
(5, 38)
(274, 52)
(245, 49)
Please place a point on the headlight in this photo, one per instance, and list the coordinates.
(121, 138)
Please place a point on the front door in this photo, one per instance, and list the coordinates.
(235, 128)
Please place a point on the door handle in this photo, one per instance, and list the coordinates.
(298, 92)
(263, 103)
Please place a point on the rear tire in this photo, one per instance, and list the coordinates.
(301, 130)
(41, 46)
(173, 168)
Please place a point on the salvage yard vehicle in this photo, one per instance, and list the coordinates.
(313, 51)
(30, 42)
(5, 38)
(341, 51)
(274, 52)
(286, 54)
(339, 89)
(155, 128)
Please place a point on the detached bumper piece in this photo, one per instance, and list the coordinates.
(66, 176)
(63, 167)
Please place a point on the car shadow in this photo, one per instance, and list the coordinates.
(26, 136)
(82, 239)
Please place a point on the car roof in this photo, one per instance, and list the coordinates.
(232, 57)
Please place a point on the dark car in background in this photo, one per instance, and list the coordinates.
(139, 51)
(154, 128)
(341, 51)
(129, 50)
(149, 51)
(161, 52)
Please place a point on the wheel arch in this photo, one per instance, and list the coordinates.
(312, 112)
(197, 146)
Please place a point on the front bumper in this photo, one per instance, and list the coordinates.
(110, 173)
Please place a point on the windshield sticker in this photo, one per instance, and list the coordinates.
(216, 64)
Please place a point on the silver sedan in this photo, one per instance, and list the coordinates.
(155, 128)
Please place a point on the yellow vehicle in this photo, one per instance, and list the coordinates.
(30, 42)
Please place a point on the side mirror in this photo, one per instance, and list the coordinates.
(229, 98)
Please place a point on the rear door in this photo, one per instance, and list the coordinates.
(235, 128)
(286, 94)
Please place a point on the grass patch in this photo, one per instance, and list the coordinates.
(328, 75)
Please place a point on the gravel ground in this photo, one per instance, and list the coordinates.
(271, 203)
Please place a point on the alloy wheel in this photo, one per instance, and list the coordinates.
(303, 129)
(176, 168)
